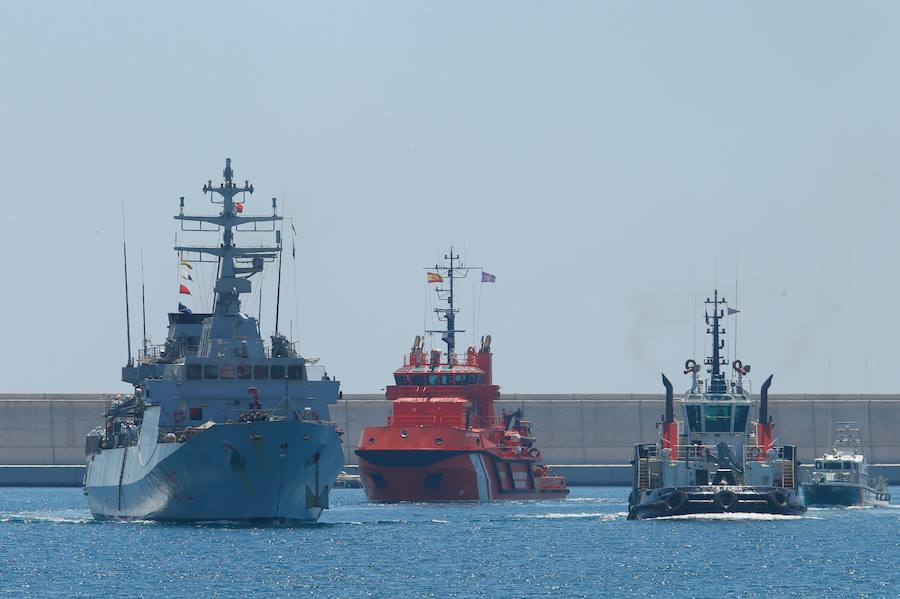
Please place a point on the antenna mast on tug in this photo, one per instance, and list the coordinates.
(717, 384)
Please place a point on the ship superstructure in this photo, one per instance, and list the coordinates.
(220, 426)
(715, 459)
(840, 477)
(443, 441)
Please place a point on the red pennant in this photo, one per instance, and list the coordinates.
(183, 290)
(238, 208)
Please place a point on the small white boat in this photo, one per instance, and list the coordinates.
(841, 477)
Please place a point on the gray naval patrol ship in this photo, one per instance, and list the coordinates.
(715, 460)
(220, 426)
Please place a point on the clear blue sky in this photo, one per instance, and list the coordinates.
(607, 161)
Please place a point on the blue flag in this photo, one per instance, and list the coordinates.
(182, 309)
(487, 277)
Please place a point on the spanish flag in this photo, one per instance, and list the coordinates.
(186, 263)
(434, 277)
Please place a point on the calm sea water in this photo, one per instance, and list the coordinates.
(581, 547)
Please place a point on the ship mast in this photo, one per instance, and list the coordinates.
(717, 384)
(455, 270)
(233, 278)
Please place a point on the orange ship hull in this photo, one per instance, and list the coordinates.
(411, 467)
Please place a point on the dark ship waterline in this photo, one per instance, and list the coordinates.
(220, 426)
(715, 460)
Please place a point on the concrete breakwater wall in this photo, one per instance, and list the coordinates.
(602, 429)
(571, 429)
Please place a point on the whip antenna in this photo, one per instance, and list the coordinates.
(127, 310)
(143, 304)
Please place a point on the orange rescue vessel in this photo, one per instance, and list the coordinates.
(442, 440)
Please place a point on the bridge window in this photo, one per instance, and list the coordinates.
(401, 379)
(832, 465)
(243, 371)
(211, 371)
(740, 418)
(194, 372)
(693, 416)
(277, 372)
(417, 379)
(295, 372)
(460, 379)
(227, 371)
(434, 379)
(261, 372)
(717, 418)
(447, 379)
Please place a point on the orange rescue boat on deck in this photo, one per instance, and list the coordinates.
(442, 441)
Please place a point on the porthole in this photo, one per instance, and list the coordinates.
(371, 440)
(438, 441)
(404, 433)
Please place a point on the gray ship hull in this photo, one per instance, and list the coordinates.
(263, 472)
(715, 500)
(838, 494)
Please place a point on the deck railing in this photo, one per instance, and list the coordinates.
(453, 359)
(839, 476)
(154, 352)
(699, 452)
(449, 420)
(150, 354)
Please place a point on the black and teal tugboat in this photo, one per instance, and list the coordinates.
(715, 460)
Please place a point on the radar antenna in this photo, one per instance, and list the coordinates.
(236, 264)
